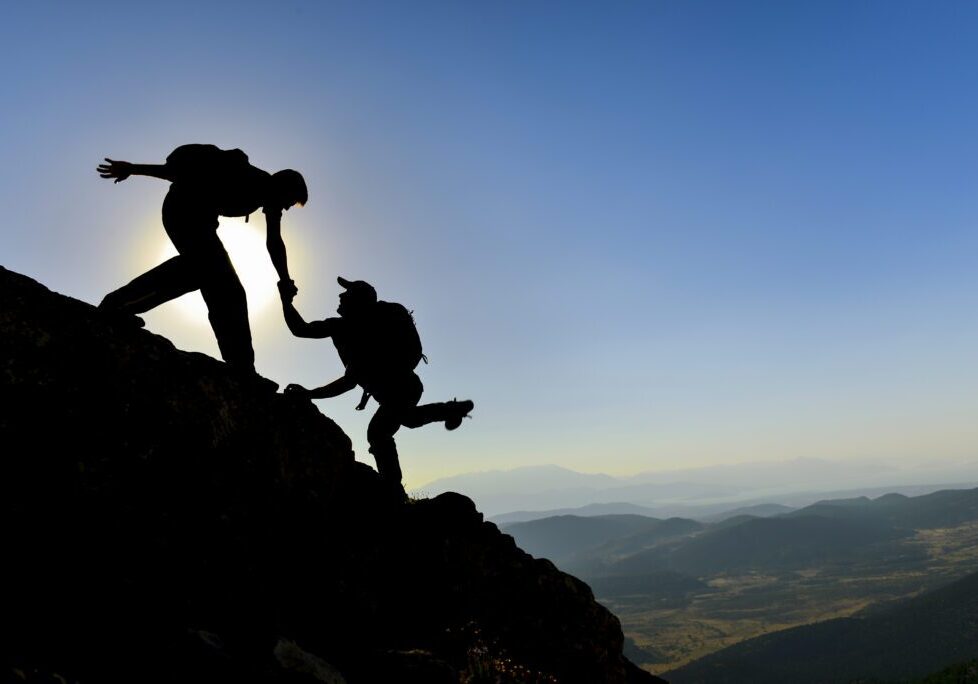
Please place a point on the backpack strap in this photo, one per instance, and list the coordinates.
(411, 314)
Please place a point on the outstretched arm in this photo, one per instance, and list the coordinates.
(121, 170)
(297, 324)
(333, 389)
(276, 248)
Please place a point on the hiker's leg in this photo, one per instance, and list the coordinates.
(192, 227)
(425, 414)
(404, 393)
(380, 437)
(400, 394)
(449, 412)
(169, 280)
(227, 307)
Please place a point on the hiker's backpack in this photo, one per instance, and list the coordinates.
(207, 163)
(396, 346)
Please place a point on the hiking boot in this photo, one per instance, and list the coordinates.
(457, 411)
(126, 320)
(118, 314)
(264, 384)
(250, 380)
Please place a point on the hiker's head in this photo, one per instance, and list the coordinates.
(356, 297)
(290, 188)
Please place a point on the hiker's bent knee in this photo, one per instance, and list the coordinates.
(379, 440)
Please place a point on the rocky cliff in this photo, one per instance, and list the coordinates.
(166, 520)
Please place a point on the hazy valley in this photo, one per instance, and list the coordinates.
(685, 589)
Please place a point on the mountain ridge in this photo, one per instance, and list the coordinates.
(176, 521)
(508, 496)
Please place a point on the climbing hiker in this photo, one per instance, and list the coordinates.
(380, 348)
(207, 182)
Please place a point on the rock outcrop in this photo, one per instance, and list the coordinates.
(165, 519)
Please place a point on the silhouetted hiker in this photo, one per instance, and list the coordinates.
(380, 348)
(207, 182)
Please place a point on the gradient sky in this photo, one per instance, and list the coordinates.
(640, 235)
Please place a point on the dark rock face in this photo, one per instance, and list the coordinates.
(166, 520)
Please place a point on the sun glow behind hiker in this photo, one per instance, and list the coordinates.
(245, 245)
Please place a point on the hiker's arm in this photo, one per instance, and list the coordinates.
(121, 170)
(333, 389)
(297, 324)
(276, 249)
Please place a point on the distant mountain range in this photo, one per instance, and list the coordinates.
(937, 509)
(590, 510)
(563, 535)
(527, 493)
(565, 538)
(826, 532)
(709, 513)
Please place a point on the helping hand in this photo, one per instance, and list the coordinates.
(296, 390)
(120, 170)
(287, 290)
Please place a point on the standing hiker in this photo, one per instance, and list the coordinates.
(380, 348)
(207, 182)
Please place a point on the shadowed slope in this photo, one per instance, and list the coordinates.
(167, 520)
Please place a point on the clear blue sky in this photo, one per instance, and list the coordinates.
(640, 235)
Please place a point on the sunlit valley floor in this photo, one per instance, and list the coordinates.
(739, 607)
(684, 589)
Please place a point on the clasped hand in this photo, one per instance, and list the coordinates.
(287, 290)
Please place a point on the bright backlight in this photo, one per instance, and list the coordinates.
(245, 244)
